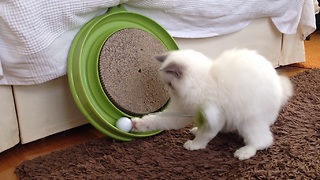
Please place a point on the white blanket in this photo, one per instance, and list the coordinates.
(35, 35)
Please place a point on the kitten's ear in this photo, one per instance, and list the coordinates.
(162, 57)
(173, 69)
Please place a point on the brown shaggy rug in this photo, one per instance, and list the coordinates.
(295, 154)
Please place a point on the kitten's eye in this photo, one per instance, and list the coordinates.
(173, 69)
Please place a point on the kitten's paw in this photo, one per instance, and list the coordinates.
(194, 130)
(245, 152)
(138, 125)
(192, 145)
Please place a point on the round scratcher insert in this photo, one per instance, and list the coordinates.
(129, 73)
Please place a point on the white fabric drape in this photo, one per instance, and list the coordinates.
(35, 35)
(1, 71)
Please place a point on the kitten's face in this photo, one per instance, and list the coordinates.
(180, 69)
(172, 70)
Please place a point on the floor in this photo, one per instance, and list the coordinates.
(11, 158)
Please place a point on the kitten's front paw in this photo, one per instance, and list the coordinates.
(138, 125)
(192, 145)
(245, 152)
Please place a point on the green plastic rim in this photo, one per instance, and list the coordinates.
(83, 70)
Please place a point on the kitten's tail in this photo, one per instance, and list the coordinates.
(287, 89)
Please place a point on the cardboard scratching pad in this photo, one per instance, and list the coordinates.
(129, 73)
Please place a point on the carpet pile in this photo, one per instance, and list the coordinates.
(294, 155)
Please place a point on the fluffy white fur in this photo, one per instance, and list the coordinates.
(238, 91)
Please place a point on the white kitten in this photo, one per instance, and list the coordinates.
(240, 90)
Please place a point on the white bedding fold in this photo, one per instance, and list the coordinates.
(214, 18)
(35, 35)
(1, 71)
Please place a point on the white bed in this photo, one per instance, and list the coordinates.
(35, 100)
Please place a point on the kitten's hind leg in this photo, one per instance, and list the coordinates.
(257, 136)
(208, 130)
